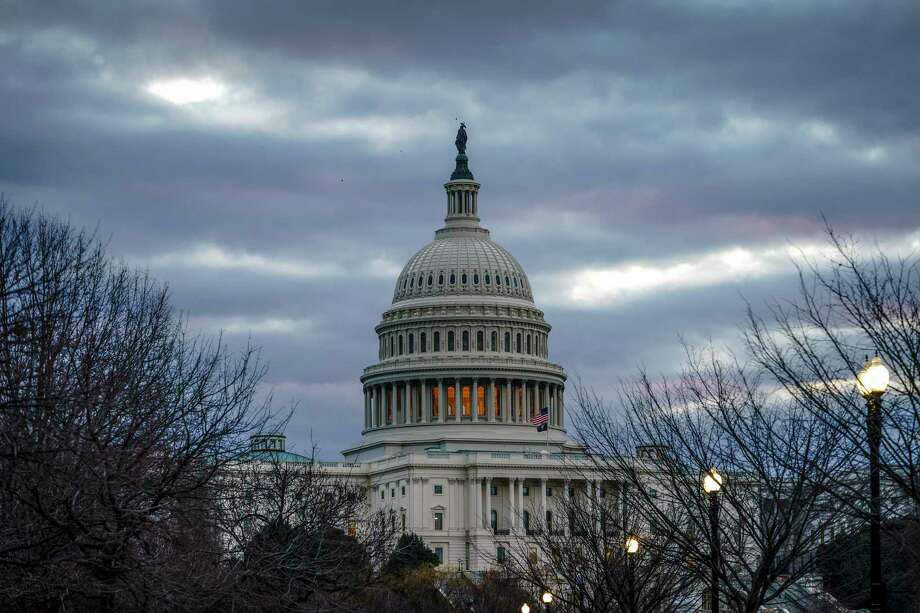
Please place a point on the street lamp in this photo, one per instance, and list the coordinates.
(712, 484)
(632, 548)
(547, 599)
(525, 608)
(872, 381)
(632, 544)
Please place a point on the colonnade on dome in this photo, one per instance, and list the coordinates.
(462, 399)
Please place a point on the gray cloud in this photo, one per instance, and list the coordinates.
(609, 136)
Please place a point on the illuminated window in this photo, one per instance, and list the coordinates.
(435, 401)
(465, 392)
(481, 401)
(451, 401)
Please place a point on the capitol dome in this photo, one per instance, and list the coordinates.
(463, 350)
(462, 263)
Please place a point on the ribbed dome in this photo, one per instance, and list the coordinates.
(465, 263)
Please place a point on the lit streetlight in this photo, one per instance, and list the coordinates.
(872, 381)
(547, 599)
(632, 544)
(525, 608)
(712, 485)
(632, 548)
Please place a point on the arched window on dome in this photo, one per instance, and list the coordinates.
(422, 342)
(475, 278)
(494, 343)
(463, 279)
(411, 283)
(518, 343)
(391, 347)
(498, 279)
(430, 280)
(480, 342)
(420, 279)
(436, 341)
(400, 344)
(507, 281)
(466, 340)
(453, 278)
(450, 340)
(488, 279)
(507, 342)
(411, 343)
(515, 280)
(441, 278)
(529, 347)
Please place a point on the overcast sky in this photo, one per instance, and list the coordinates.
(648, 163)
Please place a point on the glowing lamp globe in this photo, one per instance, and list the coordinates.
(525, 608)
(712, 482)
(632, 545)
(547, 598)
(873, 379)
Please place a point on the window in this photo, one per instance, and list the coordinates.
(466, 400)
(439, 521)
(393, 493)
(400, 345)
(453, 278)
(411, 284)
(438, 490)
(549, 491)
(466, 340)
(391, 346)
(493, 519)
(450, 340)
(500, 554)
(382, 494)
(526, 489)
(494, 343)
(439, 551)
(422, 342)
(430, 280)
(507, 281)
(437, 341)
(451, 401)
(403, 490)
(463, 279)
(527, 521)
(507, 342)
(488, 279)
(493, 490)
(518, 343)
(402, 521)
(603, 493)
(411, 343)
(480, 340)
(528, 344)
(435, 401)
(476, 278)
(441, 279)
(498, 279)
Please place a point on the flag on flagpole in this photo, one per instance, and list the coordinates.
(541, 421)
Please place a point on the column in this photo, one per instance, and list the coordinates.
(410, 507)
(507, 415)
(393, 408)
(407, 403)
(425, 402)
(488, 515)
(543, 505)
(520, 503)
(458, 400)
(565, 495)
(442, 400)
(512, 512)
(376, 406)
(474, 400)
(490, 402)
(561, 394)
(477, 504)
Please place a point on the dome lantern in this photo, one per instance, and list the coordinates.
(462, 189)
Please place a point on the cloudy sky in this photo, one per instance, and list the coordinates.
(649, 163)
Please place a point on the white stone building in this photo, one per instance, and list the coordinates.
(448, 443)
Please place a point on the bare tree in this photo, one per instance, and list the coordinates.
(775, 458)
(300, 538)
(852, 304)
(583, 558)
(114, 424)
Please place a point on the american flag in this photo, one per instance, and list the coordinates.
(540, 420)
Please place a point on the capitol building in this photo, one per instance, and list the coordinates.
(449, 448)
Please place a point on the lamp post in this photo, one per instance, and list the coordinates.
(712, 484)
(632, 548)
(872, 381)
(525, 608)
(547, 599)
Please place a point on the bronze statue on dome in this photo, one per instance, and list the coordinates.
(460, 142)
